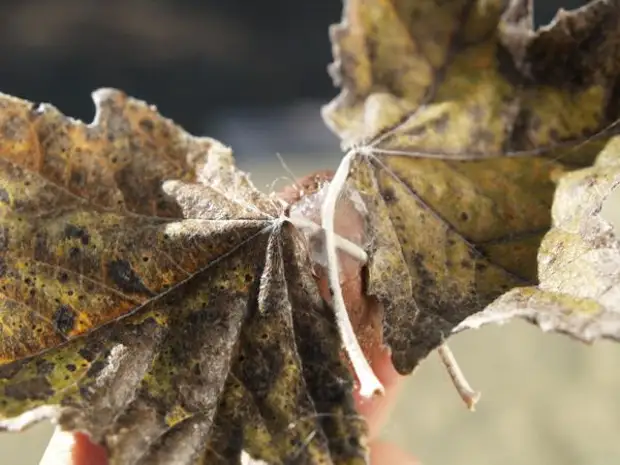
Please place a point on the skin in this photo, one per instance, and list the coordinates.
(365, 314)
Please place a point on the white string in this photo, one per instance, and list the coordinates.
(369, 383)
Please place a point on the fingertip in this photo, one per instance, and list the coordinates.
(385, 453)
(384, 368)
(377, 409)
(85, 451)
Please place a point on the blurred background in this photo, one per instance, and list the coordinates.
(253, 74)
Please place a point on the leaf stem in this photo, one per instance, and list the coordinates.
(369, 383)
(469, 396)
(342, 243)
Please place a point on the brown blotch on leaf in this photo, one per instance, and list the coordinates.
(64, 319)
(4, 238)
(126, 279)
(4, 196)
(37, 388)
(75, 232)
(44, 367)
(147, 124)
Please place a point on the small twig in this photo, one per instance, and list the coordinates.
(469, 396)
(369, 383)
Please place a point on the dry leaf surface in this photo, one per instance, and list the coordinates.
(460, 118)
(152, 297)
(578, 262)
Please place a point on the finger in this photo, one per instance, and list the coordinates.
(67, 448)
(85, 452)
(377, 409)
(385, 453)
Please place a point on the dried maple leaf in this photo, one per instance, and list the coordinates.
(578, 262)
(174, 325)
(460, 117)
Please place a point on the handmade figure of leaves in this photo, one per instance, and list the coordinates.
(152, 297)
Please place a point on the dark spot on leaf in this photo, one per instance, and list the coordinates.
(4, 196)
(441, 124)
(147, 124)
(554, 135)
(464, 216)
(40, 247)
(37, 388)
(388, 194)
(95, 368)
(519, 138)
(126, 279)
(87, 354)
(508, 67)
(77, 178)
(9, 370)
(262, 372)
(74, 253)
(71, 367)
(612, 112)
(3, 267)
(44, 367)
(76, 232)
(4, 238)
(63, 319)
(85, 392)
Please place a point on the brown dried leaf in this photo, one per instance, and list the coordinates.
(471, 78)
(460, 117)
(152, 297)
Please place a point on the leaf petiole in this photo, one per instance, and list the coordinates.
(469, 396)
(369, 383)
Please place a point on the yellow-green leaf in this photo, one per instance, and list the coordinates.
(578, 262)
(153, 298)
(459, 118)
